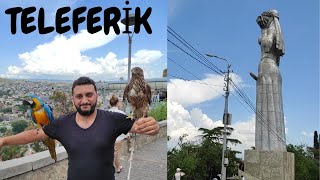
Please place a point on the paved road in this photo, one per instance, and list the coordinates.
(149, 162)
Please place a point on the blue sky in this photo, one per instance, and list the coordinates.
(67, 56)
(228, 29)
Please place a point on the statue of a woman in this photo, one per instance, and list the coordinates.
(270, 131)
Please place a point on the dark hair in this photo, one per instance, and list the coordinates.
(113, 100)
(83, 81)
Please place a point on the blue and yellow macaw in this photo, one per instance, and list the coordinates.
(41, 114)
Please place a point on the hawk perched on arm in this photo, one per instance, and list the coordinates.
(138, 93)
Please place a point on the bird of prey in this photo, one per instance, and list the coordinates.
(41, 114)
(138, 93)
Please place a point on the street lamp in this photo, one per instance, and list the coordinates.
(129, 21)
(211, 55)
(226, 119)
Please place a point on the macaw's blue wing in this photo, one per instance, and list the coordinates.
(48, 111)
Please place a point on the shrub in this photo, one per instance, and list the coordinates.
(19, 126)
(159, 111)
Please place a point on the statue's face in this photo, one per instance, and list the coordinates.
(264, 20)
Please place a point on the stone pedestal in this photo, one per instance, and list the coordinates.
(269, 165)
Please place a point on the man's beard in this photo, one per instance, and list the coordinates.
(86, 113)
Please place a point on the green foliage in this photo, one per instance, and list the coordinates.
(38, 146)
(306, 167)
(19, 126)
(6, 110)
(10, 152)
(2, 93)
(3, 129)
(215, 134)
(22, 108)
(184, 158)
(202, 159)
(159, 112)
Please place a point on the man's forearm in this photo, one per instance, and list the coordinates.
(24, 137)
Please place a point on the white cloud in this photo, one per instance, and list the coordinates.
(194, 92)
(145, 57)
(307, 134)
(286, 130)
(244, 131)
(63, 57)
(305, 138)
(181, 121)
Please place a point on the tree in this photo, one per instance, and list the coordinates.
(315, 145)
(306, 167)
(215, 135)
(10, 152)
(21, 108)
(19, 126)
(184, 157)
(202, 159)
(3, 129)
(38, 146)
(6, 110)
(62, 104)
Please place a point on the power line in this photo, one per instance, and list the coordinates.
(194, 76)
(260, 115)
(264, 119)
(183, 68)
(201, 82)
(209, 64)
(192, 56)
(238, 90)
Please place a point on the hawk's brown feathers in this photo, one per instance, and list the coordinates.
(138, 93)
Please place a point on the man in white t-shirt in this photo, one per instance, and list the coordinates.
(179, 174)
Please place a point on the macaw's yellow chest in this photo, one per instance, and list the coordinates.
(40, 117)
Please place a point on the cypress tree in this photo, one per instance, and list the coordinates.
(316, 145)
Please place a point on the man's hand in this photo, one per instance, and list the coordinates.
(146, 125)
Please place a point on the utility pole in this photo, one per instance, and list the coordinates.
(226, 119)
(104, 95)
(129, 57)
(226, 122)
(129, 21)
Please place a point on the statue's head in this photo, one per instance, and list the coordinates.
(270, 20)
(266, 18)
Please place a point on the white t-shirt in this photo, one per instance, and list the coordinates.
(115, 109)
(178, 175)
